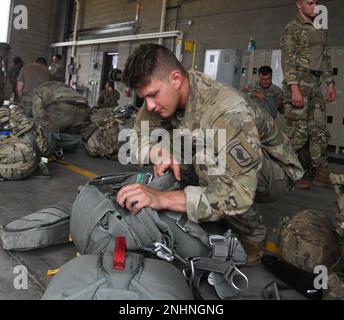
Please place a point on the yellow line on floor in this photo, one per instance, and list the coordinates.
(77, 169)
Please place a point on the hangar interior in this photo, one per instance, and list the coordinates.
(210, 36)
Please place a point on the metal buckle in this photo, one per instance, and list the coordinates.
(234, 271)
(215, 238)
(150, 177)
(185, 229)
(192, 267)
(163, 252)
(59, 153)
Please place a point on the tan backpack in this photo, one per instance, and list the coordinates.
(18, 158)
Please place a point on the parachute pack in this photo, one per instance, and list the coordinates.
(189, 253)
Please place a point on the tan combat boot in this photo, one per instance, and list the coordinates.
(322, 178)
(303, 184)
(254, 251)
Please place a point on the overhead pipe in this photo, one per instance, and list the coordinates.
(147, 36)
(144, 36)
(163, 19)
(138, 13)
(76, 22)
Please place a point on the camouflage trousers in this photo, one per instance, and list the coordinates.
(273, 184)
(307, 125)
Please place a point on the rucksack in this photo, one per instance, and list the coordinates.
(4, 118)
(92, 277)
(97, 219)
(338, 183)
(40, 229)
(18, 158)
(59, 107)
(101, 139)
(308, 240)
(22, 126)
(335, 281)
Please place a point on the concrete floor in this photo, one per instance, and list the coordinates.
(20, 198)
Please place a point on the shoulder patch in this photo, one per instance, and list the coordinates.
(239, 153)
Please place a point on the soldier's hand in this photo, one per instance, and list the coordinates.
(165, 162)
(135, 197)
(259, 96)
(297, 97)
(331, 92)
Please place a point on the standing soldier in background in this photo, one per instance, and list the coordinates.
(109, 97)
(4, 51)
(13, 73)
(305, 61)
(56, 69)
(265, 93)
(30, 77)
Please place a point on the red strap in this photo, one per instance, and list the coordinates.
(119, 255)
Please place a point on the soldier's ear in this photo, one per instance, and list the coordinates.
(176, 78)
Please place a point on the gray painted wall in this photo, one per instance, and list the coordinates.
(35, 41)
(212, 23)
(230, 23)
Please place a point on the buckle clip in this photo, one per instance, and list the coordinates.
(163, 252)
(216, 238)
(185, 229)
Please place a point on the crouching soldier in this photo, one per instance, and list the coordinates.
(260, 164)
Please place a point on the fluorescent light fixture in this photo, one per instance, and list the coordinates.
(5, 7)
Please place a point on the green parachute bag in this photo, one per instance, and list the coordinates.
(93, 277)
(59, 107)
(18, 159)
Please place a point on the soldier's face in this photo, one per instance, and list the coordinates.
(307, 7)
(265, 80)
(162, 96)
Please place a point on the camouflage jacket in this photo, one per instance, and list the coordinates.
(273, 97)
(304, 46)
(108, 99)
(57, 72)
(249, 132)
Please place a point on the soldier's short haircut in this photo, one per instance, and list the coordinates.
(17, 60)
(42, 61)
(148, 60)
(265, 70)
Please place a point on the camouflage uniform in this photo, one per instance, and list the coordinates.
(273, 97)
(305, 57)
(57, 72)
(108, 99)
(259, 164)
